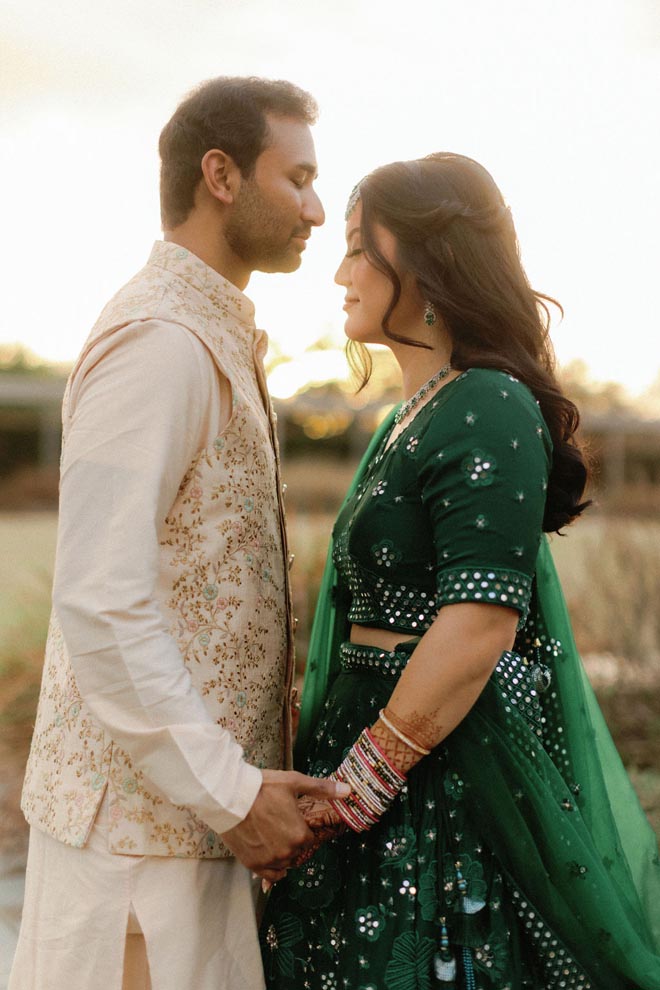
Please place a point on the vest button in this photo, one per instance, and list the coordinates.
(291, 559)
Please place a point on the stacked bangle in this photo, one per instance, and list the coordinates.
(374, 783)
(406, 740)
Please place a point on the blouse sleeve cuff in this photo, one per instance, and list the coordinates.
(492, 585)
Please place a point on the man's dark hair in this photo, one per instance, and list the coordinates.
(228, 113)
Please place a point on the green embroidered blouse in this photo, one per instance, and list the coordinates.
(517, 855)
(451, 511)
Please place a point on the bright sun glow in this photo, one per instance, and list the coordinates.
(313, 368)
(557, 99)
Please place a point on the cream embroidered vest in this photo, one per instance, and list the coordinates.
(222, 552)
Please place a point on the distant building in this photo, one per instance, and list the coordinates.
(626, 451)
(324, 422)
(30, 420)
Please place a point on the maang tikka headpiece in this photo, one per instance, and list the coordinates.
(353, 199)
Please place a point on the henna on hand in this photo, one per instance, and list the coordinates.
(324, 822)
(421, 728)
(320, 816)
(400, 755)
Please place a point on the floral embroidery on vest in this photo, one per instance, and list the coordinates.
(223, 590)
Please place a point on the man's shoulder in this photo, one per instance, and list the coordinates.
(139, 298)
(154, 342)
(151, 303)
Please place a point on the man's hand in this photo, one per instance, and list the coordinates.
(274, 834)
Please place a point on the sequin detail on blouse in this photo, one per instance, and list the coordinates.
(450, 511)
(494, 586)
(377, 600)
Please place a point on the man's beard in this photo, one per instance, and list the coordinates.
(257, 236)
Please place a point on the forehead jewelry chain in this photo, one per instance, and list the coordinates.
(415, 399)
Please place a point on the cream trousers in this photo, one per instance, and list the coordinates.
(97, 921)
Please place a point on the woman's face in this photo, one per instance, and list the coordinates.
(369, 291)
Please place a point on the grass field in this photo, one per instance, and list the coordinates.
(610, 572)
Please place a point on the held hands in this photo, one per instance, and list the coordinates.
(292, 815)
(274, 833)
(324, 822)
(321, 817)
(375, 780)
(376, 768)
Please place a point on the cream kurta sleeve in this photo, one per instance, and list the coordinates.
(144, 402)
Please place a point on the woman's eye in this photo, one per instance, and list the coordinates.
(354, 253)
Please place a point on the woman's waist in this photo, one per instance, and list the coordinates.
(382, 639)
(386, 659)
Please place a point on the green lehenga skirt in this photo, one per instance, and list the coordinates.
(483, 875)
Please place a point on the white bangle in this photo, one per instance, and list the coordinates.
(404, 739)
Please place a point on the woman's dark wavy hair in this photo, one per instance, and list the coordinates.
(455, 234)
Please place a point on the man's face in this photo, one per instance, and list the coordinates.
(277, 206)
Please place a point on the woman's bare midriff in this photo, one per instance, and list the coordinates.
(384, 639)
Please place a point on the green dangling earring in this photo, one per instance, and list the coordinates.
(430, 315)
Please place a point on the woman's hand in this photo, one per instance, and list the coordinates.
(324, 822)
(320, 816)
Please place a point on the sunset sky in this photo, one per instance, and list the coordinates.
(560, 100)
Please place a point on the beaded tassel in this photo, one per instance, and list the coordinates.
(541, 674)
(468, 969)
(461, 882)
(470, 905)
(444, 964)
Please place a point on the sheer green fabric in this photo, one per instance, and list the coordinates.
(564, 820)
(330, 626)
(521, 834)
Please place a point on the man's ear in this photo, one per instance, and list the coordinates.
(222, 176)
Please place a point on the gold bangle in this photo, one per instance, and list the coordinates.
(404, 739)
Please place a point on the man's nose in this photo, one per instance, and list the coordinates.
(314, 212)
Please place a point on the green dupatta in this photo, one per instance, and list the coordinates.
(330, 627)
(562, 816)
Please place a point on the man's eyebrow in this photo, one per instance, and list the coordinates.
(310, 168)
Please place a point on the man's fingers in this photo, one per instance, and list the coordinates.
(269, 877)
(321, 787)
(300, 783)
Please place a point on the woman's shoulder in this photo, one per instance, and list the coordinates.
(488, 384)
(485, 402)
